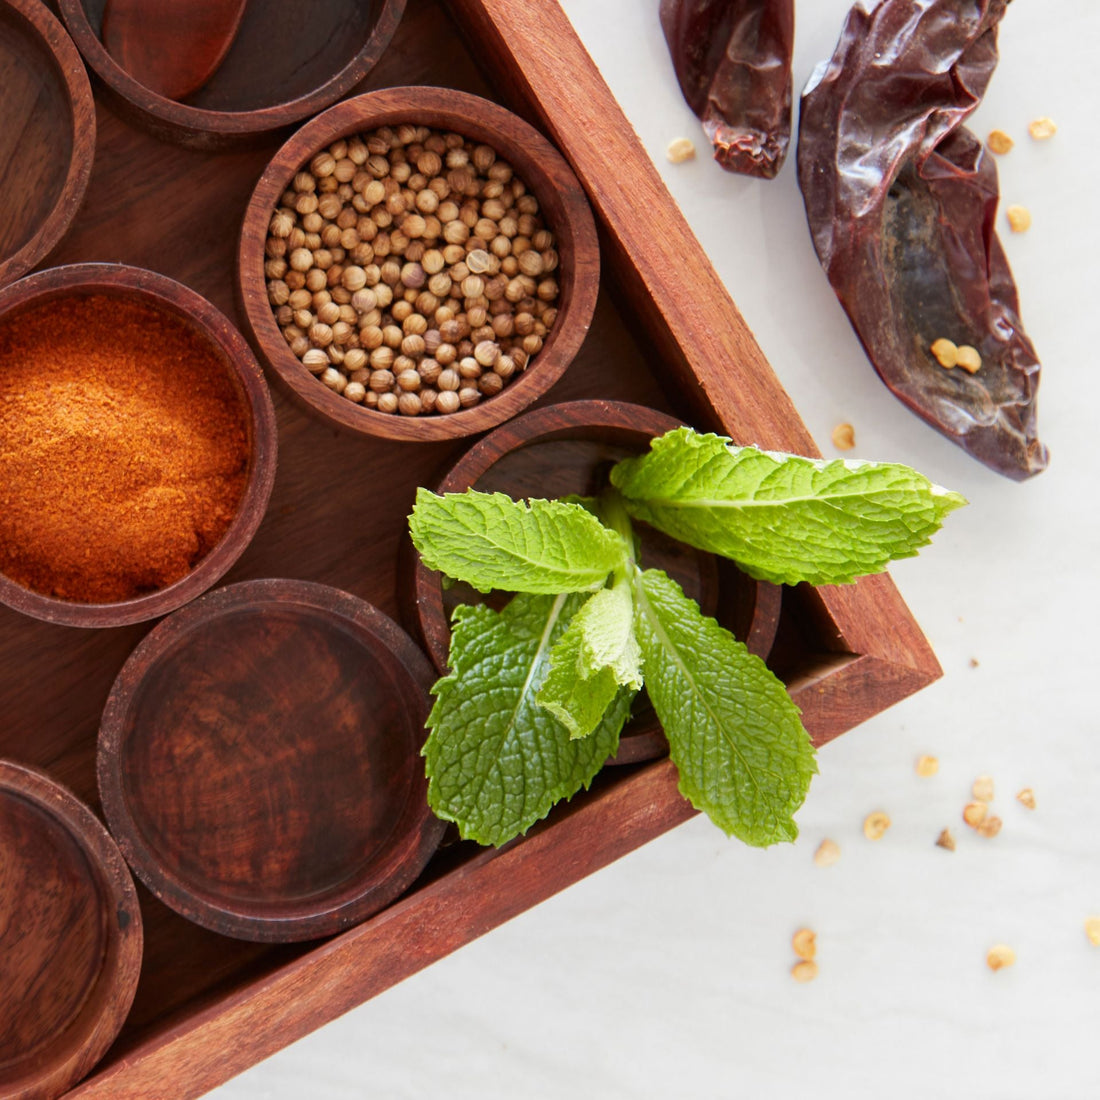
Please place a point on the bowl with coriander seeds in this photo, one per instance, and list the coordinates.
(418, 264)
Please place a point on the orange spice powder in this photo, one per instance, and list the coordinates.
(124, 448)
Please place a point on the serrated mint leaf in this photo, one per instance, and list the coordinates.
(782, 518)
(596, 655)
(490, 541)
(733, 732)
(496, 761)
(575, 695)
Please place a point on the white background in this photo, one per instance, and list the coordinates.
(666, 974)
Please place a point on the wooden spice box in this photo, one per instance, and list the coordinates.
(665, 334)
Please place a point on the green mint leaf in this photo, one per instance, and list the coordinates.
(496, 761)
(596, 655)
(490, 541)
(733, 732)
(780, 517)
(576, 698)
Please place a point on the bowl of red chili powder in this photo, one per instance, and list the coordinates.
(137, 445)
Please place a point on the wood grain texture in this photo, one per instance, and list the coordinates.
(207, 1006)
(259, 761)
(47, 135)
(70, 937)
(173, 47)
(287, 61)
(227, 345)
(536, 162)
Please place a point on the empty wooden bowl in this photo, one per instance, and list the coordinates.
(47, 134)
(287, 61)
(570, 448)
(70, 937)
(259, 761)
(563, 206)
(202, 321)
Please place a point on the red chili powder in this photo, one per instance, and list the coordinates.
(124, 448)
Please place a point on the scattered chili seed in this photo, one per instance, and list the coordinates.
(680, 149)
(804, 942)
(968, 358)
(844, 437)
(999, 142)
(974, 662)
(999, 956)
(945, 840)
(1042, 128)
(990, 826)
(1092, 930)
(828, 852)
(945, 351)
(875, 825)
(1019, 218)
(982, 788)
(974, 813)
(804, 971)
(1026, 797)
(927, 766)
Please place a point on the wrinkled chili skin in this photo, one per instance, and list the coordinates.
(733, 61)
(901, 201)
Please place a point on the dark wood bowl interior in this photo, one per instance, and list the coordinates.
(200, 316)
(288, 61)
(70, 947)
(566, 449)
(47, 134)
(259, 761)
(536, 162)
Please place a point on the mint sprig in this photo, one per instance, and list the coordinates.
(538, 693)
(782, 518)
(496, 761)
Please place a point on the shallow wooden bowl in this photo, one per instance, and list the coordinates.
(569, 448)
(47, 134)
(536, 162)
(70, 937)
(288, 61)
(179, 301)
(259, 761)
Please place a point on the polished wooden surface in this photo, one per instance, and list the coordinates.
(537, 163)
(665, 334)
(70, 937)
(259, 761)
(227, 344)
(47, 134)
(173, 47)
(287, 61)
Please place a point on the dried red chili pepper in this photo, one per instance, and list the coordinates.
(733, 62)
(901, 199)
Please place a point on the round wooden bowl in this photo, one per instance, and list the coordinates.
(47, 134)
(162, 293)
(259, 761)
(288, 61)
(535, 161)
(569, 449)
(70, 937)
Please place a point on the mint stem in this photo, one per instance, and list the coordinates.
(612, 512)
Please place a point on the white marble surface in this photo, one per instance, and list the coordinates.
(667, 974)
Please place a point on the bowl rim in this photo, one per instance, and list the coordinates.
(182, 119)
(416, 832)
(69, 69)
(117, 980)
(161, 292)
(543, 169)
